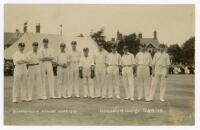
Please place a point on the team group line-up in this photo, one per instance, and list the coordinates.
(98, 74)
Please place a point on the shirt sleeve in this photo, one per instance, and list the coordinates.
(14, 57)
(107, 59)
(81, 62)
(92, 60)
(168, 60)
(119, 59)
(136, 59)
(52, 53)
(133, 59)
(28, 57)
(40, 54)
(56, 58)
(150, 59)
(67, 57)
(154, 59)
(79, 56)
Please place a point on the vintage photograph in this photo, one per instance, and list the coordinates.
(99, 64)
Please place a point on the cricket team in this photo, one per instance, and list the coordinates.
(98, 74)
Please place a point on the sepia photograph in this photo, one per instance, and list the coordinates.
(99, 64)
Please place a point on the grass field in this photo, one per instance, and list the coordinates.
(178, 110)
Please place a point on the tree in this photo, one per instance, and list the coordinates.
(131, 41)
(183, 54)
(175, 51)
(98, 36)
(188, 51)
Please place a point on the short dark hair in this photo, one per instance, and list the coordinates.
(73, 43)
(45, 40)
(62, 45)
(85, 49)
(125, 48)
(22, 44)
(35, 44)
(114, 46)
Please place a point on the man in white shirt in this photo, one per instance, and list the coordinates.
(34, 73)
(74, 57)
(62, 62)
(86, 67)
(128, 62)
(46, 59)
(143, 62)
(160, 66)
(100, 72)
(20, 75)
(113, 61)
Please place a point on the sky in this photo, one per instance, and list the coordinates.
(173, 23)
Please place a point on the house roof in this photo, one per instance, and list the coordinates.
(147, 41)
(54, 43)
(10, 38)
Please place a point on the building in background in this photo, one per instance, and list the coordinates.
(151, 43)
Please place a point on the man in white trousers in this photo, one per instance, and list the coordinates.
(62, 62)
(46, 59)
(34, 73)
(100, 72)
(74, 57)
(128, 64)
(20, 74)
(86, 67)
(113, 61)
(160, 64)
(143, 62)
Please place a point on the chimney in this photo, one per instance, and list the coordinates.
(140, 35)
(155, 34)
(38, 28)
(25, 27)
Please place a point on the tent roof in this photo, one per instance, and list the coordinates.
(10, 38)
(29, 38)
(54, 43)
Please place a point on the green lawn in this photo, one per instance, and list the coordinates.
(178, 110)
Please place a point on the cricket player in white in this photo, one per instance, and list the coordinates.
(62, 62)
(100, 72)
(113, 61)
(46, 58)
(143, 62)
(74, 57)
(161, 62)
(20, 75)
(34, 73)
(128, 62)
(87, 73)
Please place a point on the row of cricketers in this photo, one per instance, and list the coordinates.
(74, 70)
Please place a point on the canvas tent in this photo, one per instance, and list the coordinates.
(29, 38)
(54, 43)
